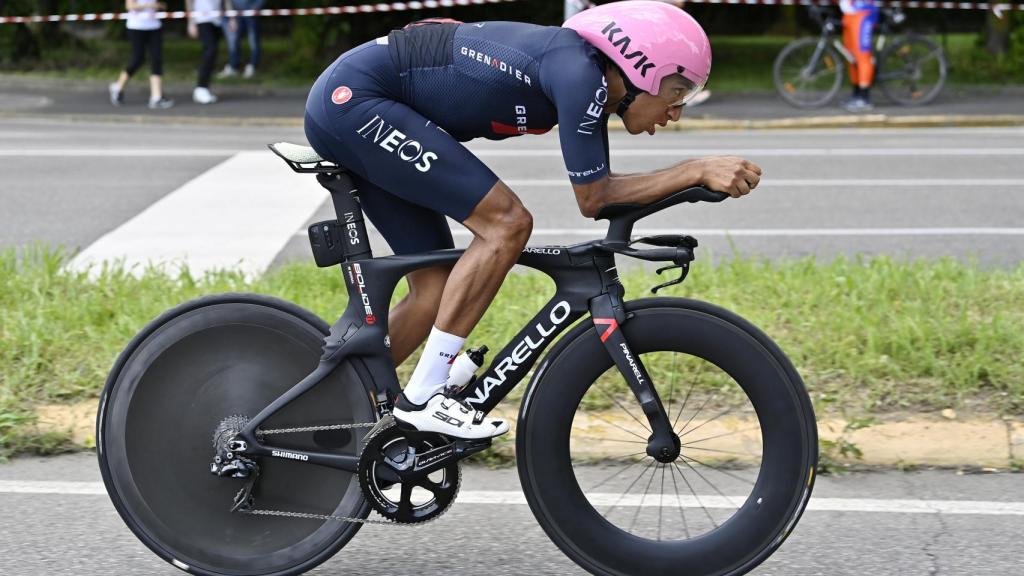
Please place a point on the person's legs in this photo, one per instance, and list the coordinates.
(234, 37)
(408, 229)
(156, 65)
(137, 40)
(209, 35)
(255, 49)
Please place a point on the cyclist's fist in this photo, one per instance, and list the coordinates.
(730, 174)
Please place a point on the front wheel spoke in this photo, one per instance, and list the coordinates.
(624, 409)
(722, 435)
(643, 499)
(699, 410)
(679, 500)
(661, 500)
(686, 460)
(689, 391)
(724, 451)
(606, 421)
(717, 416)
(610, 440)
(630, 487)
(695, 496)
(620, 471)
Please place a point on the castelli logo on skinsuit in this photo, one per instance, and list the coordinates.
(341, 95)
(643, 64)
(395, 141)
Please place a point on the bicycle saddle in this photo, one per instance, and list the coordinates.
(303, 158)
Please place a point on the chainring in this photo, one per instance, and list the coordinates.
(408, 498)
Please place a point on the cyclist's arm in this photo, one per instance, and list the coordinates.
(730, 174)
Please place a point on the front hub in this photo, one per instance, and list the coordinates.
(664, 448)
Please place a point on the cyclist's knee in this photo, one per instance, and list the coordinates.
(501, 219)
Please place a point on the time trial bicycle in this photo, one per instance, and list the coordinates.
(240, 434)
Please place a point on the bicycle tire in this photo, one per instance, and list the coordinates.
(891, 81)
(789, 436)
(196, 364)
(795, 55)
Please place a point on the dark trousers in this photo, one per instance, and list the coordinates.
(247, 26)
(209, 35)
(141, 41)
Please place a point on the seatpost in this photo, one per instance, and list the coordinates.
(350, 214)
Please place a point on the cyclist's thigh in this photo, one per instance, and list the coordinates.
(397, 149)
(407, 227)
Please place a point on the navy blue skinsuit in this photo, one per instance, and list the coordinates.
(394, 111)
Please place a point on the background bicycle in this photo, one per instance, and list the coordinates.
(911, 68)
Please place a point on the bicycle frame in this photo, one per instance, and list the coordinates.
(585, 281)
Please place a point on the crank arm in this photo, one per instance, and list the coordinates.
(438, 458)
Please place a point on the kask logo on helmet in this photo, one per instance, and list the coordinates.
(643, 64)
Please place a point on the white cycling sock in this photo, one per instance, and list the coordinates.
(431, 371)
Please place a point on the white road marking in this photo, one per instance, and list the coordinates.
(119, 152)
(509, 497)
(772, 152)
(459, 231)
(237, 215)
(552, 152)
(971, 183)
(777, 232)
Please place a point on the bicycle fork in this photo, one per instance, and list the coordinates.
(609, 315)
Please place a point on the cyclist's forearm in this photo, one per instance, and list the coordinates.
(644, 188)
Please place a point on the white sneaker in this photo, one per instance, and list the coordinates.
(203, 96)
(250, 70)
(227, 72)
(116, 94)
(449, 417)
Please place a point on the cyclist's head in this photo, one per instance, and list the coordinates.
(653, 45)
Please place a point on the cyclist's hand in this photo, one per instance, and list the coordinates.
(730, 174)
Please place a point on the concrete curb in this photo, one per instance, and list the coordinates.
(900, 440)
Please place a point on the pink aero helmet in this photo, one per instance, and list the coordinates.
(647, 41)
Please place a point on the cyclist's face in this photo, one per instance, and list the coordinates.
(650, 111)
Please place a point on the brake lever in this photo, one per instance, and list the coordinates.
(684, 270)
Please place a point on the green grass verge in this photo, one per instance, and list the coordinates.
(742, 63)
(868, 336)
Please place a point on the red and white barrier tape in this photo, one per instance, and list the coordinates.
(933, 4)
(329, 10)
(432, 4)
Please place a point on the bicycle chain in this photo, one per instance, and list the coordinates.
(312, 516)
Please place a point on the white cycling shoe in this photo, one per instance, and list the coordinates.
(449, 417)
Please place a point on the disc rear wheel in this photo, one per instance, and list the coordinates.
(179, 379)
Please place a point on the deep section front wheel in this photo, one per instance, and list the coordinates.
(748, 446)
(188, 371)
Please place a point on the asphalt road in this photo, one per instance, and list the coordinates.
(908, 193)
(81, 534)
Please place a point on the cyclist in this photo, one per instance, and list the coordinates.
(859, 20)
(394, 110)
